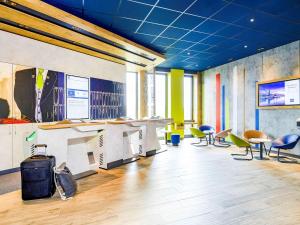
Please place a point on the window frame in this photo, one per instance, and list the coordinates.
(193, 98)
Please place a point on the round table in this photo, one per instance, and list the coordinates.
(210, 134)
(261, 142)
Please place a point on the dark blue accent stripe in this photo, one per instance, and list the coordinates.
(256, 117)
(223, 107)
(256, 114)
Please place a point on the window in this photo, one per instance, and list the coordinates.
(150, 94)
(131, 95)
(160, 94)
(188, 98)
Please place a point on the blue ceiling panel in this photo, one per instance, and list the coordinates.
(210, 26)
(228, 43)
(151, 2)
(100, 19)
(162, 16)
(133, 10)
(164, 41)
(182, 44)
(200, 47)
(190, 53)
(213, 40)
(66, 3)
(188, 21)
(173, 51)
(276, 7)
(251, 4)
(206, 8)
(144, 38)
(230, 31)
(102, 6)
(214, 50)
(207, 33)
(151, 28)
(175, 5)
(292, 14)
(194, 36)
(172, 32)
(125, 25)
(232, 13)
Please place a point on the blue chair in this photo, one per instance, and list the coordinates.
(206, 128)
(286, 142)
(175, 139)
(209, 131)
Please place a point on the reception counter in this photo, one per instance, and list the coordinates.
(106, 144)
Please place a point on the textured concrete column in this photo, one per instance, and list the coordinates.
(142, 94)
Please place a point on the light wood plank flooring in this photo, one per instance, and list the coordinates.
(183, 186)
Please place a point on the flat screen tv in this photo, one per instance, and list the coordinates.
(77, 97)
(279, 93)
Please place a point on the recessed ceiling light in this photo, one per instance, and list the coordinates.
(252, 20)
(196, 65)
(260, 49)
(188, 53)
(230, 59)
(245, 46)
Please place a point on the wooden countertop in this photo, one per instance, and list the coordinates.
(69, 125)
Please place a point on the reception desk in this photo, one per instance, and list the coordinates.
(149, 141)
(76, 144)
(102, 143)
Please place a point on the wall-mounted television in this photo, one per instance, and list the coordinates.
(280, 93)
(77, 97)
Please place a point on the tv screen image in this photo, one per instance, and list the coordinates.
(77, 96)
(280, 93)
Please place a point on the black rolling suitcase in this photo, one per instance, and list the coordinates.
(37, 176)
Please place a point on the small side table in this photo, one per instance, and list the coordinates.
(210, 134)
(261, 142)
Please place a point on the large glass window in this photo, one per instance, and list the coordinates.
(131, 95)
(188, 98)
(160, 94)
(150, 94)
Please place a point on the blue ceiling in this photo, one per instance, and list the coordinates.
(195, 34)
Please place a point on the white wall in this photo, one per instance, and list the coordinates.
(20, 50)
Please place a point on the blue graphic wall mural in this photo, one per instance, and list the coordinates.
(59, 97)
(107, 99)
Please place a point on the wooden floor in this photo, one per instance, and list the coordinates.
(185, 185)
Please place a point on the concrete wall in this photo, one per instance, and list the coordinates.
(16, 49)
(275, 63)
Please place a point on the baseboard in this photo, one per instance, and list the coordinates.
(13, 170)
(84, 174)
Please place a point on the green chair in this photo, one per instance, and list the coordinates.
(198, 134)
(241, 143)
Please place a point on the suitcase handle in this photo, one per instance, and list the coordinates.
(40, 146)
(37, 156)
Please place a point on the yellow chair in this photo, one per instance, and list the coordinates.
(241, 143)
(198, 134)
